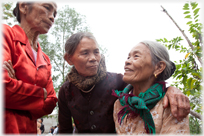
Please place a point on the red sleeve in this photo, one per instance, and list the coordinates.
(15, 90)
(49, 103)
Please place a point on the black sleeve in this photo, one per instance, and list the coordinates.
(64, 115)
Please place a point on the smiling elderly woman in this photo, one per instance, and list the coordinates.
(139, 109)
(28, 92)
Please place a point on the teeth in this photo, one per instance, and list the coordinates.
(127, 69)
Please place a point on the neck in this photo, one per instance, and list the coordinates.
(32, 36)
(141, 87)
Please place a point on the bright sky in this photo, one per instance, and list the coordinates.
(118, 26)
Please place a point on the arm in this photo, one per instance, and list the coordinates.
(49, 103)
(20, 95)
(17, 94)
(64, 115)
(179, 103)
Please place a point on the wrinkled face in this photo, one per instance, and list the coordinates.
(86, 57)
(41, 17)
(138, 66)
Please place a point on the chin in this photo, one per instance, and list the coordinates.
(126, 80)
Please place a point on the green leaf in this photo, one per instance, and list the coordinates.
(196, 11)
(185, 8)
(186, 5)
(186, 12)
(190, 22)
(195, 5)
(188, 16)
(189, 82)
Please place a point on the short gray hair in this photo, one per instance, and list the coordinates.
(160, 53)
(73, 41)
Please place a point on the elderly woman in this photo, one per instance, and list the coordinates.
(87, 94)
(139, 108)
(29, 92)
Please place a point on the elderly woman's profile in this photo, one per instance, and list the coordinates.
(28, 89)
(139, 108)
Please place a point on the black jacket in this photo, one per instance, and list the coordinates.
(92, 112)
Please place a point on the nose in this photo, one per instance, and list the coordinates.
(92, 57)
(51, 17)
(128, 61)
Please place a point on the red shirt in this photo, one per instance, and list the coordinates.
(24, 97)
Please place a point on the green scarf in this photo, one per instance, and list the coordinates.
(140, 105)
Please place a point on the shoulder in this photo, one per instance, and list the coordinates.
(64, 89)
(114, 74)
(64, 86)
(7, 30)
(117, 105)
(117, 79)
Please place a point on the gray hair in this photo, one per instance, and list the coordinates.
(73, 41)
(160, 53)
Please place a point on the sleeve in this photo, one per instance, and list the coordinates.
(15, 90)
(64, 115)
(121, 83)
(49, 103)
(172, 126)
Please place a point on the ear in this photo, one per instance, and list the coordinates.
(23, 7)
(68, 59)
(159, 68)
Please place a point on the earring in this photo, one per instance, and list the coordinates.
(155, 75)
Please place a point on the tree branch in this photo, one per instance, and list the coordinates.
(182, 31)
(56, 64)
(195, 114)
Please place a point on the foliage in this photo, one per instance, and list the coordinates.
(188, 74)
(8, 16)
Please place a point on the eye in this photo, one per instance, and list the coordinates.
(96, 52)
(128, 57)
(136, 55)
(84, 53)
(47, 7)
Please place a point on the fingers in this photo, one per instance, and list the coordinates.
(179, 103)
(9, 67)
(165, 102)
(45, 93)
(183, 106)
(173, 105)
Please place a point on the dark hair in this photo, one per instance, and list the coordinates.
(42, 119)
(73, 41)
(16, 11)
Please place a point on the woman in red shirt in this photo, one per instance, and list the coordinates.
(31, 94)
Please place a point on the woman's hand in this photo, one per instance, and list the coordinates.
(9, 67)
(179, 103)
(45, 93)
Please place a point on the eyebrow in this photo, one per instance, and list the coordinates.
(50, 5)
(134, 52)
